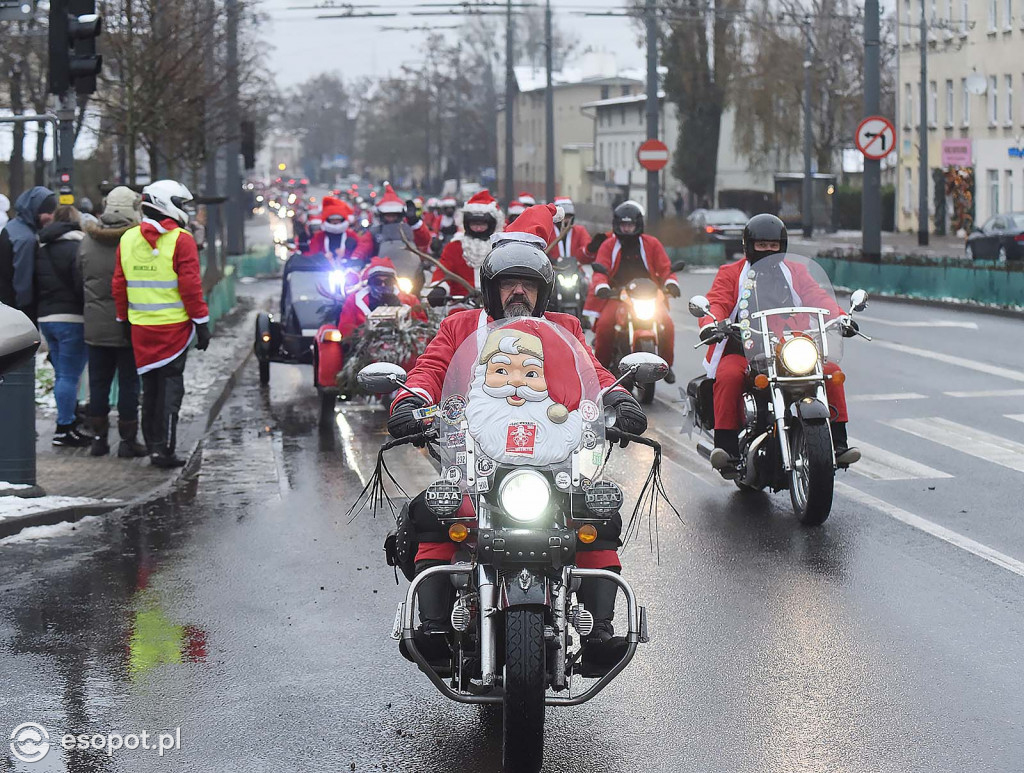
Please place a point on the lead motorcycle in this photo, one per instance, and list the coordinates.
(517, 523)
(785, 441)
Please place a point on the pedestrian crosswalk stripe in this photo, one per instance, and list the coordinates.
(894, 396)
(878, 464)
(949, 359)
(988, 393)
(960, 437)
(1015, 416)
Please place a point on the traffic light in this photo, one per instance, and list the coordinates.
(74, 27)
(249, 144)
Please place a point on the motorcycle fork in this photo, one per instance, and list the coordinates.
(779, 408)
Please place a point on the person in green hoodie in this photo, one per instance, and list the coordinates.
(109, 341)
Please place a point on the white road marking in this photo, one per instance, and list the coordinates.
(956, 539)
(885, 397)
(949, 359)
(988, 393)
(1015, 416)
(925, 323)
(960, 437)
(878, 464)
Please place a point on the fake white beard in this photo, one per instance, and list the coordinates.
(335, 228)
(475, 251)
(489, 419)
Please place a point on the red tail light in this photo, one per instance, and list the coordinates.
(710, 229)
(1019, 238)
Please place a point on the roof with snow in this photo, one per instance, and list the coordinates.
(630, 99)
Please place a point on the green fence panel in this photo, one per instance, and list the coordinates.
(698, 254)
(256, 263)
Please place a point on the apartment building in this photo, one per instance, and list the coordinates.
(975, 109)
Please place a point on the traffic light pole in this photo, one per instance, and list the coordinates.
(235, 227)
(871, 193)
(65, 145)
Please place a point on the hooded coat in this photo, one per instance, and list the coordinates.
(18, 251)
(58, 277)
(98, 254)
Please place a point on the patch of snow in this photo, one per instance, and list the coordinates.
(13, 486)
(13, 507)
(50, 532)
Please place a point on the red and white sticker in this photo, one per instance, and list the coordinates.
(589, 410)
(521, 437)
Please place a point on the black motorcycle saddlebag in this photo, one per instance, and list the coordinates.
(401, 545)
(701, 389)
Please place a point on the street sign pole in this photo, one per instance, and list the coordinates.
(651, 24)
(65, 143)
(871, 192)
(922, 153)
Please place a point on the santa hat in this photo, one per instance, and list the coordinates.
(566, 204)
(389, 202)
(332, 206)
(481, 203)
(379, 266)
(536, 338)
(535, 226)
(527, 199)
(515, 207)
(432, 203)
(448, 201)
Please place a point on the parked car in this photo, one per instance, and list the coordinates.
(1000, 238)
(722, 226)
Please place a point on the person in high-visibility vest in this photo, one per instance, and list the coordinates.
(158, 288)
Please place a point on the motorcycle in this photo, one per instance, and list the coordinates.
(515, 571)
(636, 326)
(570, 287)
(785, 441)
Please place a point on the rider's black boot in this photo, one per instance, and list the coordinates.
(435, 604)
(845, 455)
(726, 454)
(602, 649)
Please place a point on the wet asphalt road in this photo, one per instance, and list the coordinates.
(250, 613)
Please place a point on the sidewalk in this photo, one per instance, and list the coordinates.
(895, 243)
(77, 484)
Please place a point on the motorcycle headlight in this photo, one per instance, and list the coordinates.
(799, 355)
(524, 495)
(405, 284)
(644, 308)
(336, 280)
(568, 280)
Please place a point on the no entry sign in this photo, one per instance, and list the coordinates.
(652, 155)
(876, 137)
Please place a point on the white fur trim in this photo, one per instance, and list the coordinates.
(559, 215)
(518, 236)
(481, 209)
(361, 301)
(390, 207)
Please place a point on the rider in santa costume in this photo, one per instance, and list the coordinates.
(335, 239)
(527, 199)
(379, 288)
(393, 211)
(466, 252)
(628, 255)
(514, 209)
(575, 239)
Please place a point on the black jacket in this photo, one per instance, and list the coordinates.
(58, 271)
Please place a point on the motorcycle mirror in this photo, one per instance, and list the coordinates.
(859, 300)
(381, 377)
(19, 338)
(645, 367)
(700, 306)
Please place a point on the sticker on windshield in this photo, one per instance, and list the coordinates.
(483, 484)
(455, 439)
(589, 410)
(452, 474)
(453, 408)
(422, 414)
(563, 480)
(484, 466)
(460, 457)
(589, 438)
(521, 438)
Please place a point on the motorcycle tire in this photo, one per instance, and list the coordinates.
(812, 479)
(328, 400)
(264, 372)
(645, 392)
(525, 684)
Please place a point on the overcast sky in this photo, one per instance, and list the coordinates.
(305, 46)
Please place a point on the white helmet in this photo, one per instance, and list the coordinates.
(168, 197)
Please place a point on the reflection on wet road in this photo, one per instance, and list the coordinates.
(249, 612)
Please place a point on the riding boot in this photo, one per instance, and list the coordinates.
(164, 455)
(130, 447)
(845, 455)
(435, 604)
(100, 426)
(726, 454)
(602, 649)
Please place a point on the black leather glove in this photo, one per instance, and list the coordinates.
(629, 416)
(402, 423)
(713, 333)
(202, 336)
(411, 217)
(672, 290)
(437, 296)
(603, 292)
(435, 246)
(849, 327)
(596, 242)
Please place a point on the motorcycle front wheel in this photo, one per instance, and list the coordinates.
(812, 479)
(525, 684)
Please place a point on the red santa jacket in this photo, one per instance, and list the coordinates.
(431, 220)
(725, 292)
(574, 243)
(350, 240)
(453, 258)
(427, 379)
(654, 258)
(157, 345)
(357, 308)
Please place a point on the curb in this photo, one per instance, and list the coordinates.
(11, 526)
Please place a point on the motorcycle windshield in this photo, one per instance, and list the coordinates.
(392, 246)
(779, 297)
(521, 392)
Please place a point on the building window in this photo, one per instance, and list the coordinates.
(966, 101)
(933, 102)
(948, 16)
(908, 105)
(949, 103)
(1008, 180)
(908, 189)
(622, 116)
(907, 29)
(964, 18)
(1008, 10)
(993, 192)
(993, 15)
(604, 92)
(1009, 100)
(993, 100)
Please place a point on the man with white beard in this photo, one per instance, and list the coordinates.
(516, 280)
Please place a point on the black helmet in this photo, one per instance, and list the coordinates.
(628, 212)
(515, 260)
(763, 228)
(479, 217)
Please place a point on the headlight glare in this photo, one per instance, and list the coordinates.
(644, 308)
(799, 355)
(524, 495)
(568, 280)
(405, 284)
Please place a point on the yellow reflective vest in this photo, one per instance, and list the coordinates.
(152, 283)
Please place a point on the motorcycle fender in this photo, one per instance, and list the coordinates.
(641, 333)
(264, 342)
(809, 411)
(527, 588)
(328, 359)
